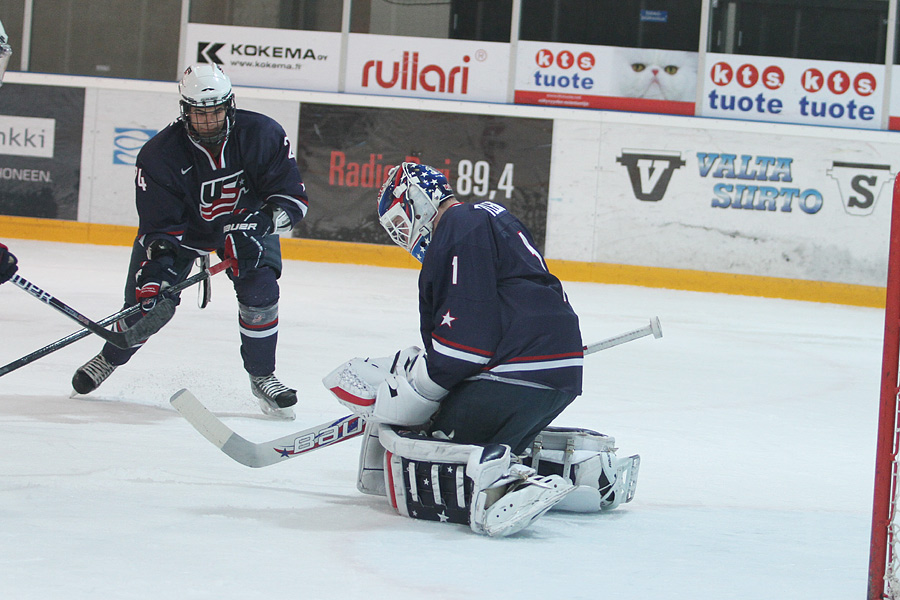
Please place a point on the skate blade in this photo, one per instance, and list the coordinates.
(282, 414)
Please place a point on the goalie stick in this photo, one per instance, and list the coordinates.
(74, 337)
(263, 454)
(267, 453)
(653, 328)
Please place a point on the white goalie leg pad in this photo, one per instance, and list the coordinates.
(370, 476)
(588, 460)
(479, 486)
(426, 478)
(509, 497)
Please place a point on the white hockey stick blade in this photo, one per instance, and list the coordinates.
(268, 453)
(653, 329)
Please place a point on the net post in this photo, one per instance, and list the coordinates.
(880, 549)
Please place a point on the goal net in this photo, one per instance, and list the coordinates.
(884, 550)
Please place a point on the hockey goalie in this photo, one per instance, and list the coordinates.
(459, 431)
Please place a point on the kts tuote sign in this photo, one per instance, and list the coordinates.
(788, 90)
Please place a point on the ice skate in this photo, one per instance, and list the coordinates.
(91, 374)
(275, 399)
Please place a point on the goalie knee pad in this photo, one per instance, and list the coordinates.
(479, 486)
(370, 475)
(588, 460)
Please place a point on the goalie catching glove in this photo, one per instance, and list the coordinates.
(395, 390)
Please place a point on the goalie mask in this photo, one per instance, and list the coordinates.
(207, 103)
(408, 203)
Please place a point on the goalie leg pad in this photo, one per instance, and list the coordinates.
(426, 478)
(509, 497)
(588, 460)
(370, 476)
(433, 491)
(457, 483)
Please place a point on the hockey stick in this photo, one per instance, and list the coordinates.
(263, 454)
(149, 324)
(74, 337)
(653, 329)
(267, 453)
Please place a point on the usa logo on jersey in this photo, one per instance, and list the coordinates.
(220, 196)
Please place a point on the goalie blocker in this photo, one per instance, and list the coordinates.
(489, 488)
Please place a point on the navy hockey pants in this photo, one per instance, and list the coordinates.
(494, 412)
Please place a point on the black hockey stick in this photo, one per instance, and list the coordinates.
(263, 454)
(149, 324)
(74, 337)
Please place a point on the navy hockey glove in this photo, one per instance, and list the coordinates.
(244, 234)
(156, 273)
(8, 264)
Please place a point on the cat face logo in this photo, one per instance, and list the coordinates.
(650, 172)
(860, 185)
(220, 196)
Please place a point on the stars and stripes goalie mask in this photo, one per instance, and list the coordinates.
(408, 203)
(207, 103)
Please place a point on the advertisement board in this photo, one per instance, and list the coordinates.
(40, 150)
(790, 90)
(894, 109)
(427, 68)
(345, 154)
(605, 77)
(804, 203)
(261, 57)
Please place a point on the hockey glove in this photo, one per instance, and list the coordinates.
(156, 273)
(411, 364)
(8, 264)
(244, 234)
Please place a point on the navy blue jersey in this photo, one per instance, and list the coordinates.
(185, 193)
(490, 309)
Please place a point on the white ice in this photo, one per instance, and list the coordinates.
(755, 420)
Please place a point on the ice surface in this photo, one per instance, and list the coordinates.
(755, 420)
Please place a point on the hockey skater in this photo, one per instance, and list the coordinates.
(453, 427)
(8, 264)
(218, 179)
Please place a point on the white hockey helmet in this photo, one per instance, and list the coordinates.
(206, 88)
(408, 203)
